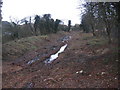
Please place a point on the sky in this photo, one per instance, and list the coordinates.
(59, 9)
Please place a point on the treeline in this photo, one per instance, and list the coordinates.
(32, 26)
(46, 24)
(101, 18)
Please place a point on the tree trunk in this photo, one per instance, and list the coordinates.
(35, 31)
(30, 25)
(93, 30)
(108, 33)
(108, 30)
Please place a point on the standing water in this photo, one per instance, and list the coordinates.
(55, 56)
(33, 60)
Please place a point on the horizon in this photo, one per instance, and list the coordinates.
(63, 10)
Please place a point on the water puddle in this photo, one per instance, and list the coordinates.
(65, 38)
(33, 60)
(55, 56)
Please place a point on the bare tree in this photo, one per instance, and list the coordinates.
(100, 12)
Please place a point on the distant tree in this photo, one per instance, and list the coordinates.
(69, 25)
(76, 27)
(42, 26)
(62, 27)
(0, 18)
(36, 23)
(15, 27)
(26, 22)
(52, 25)
(56, 25)
(30, 25)
(47, 18)
(1, 10)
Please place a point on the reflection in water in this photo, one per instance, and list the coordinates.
(55, 56)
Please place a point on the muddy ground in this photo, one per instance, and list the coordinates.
(87, 62)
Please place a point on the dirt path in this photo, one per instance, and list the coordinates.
(81, 65)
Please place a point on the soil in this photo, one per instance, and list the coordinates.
(81, 65)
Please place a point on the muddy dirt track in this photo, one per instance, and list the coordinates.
(81, 65)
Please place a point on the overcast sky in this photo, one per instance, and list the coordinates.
(62, 9)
